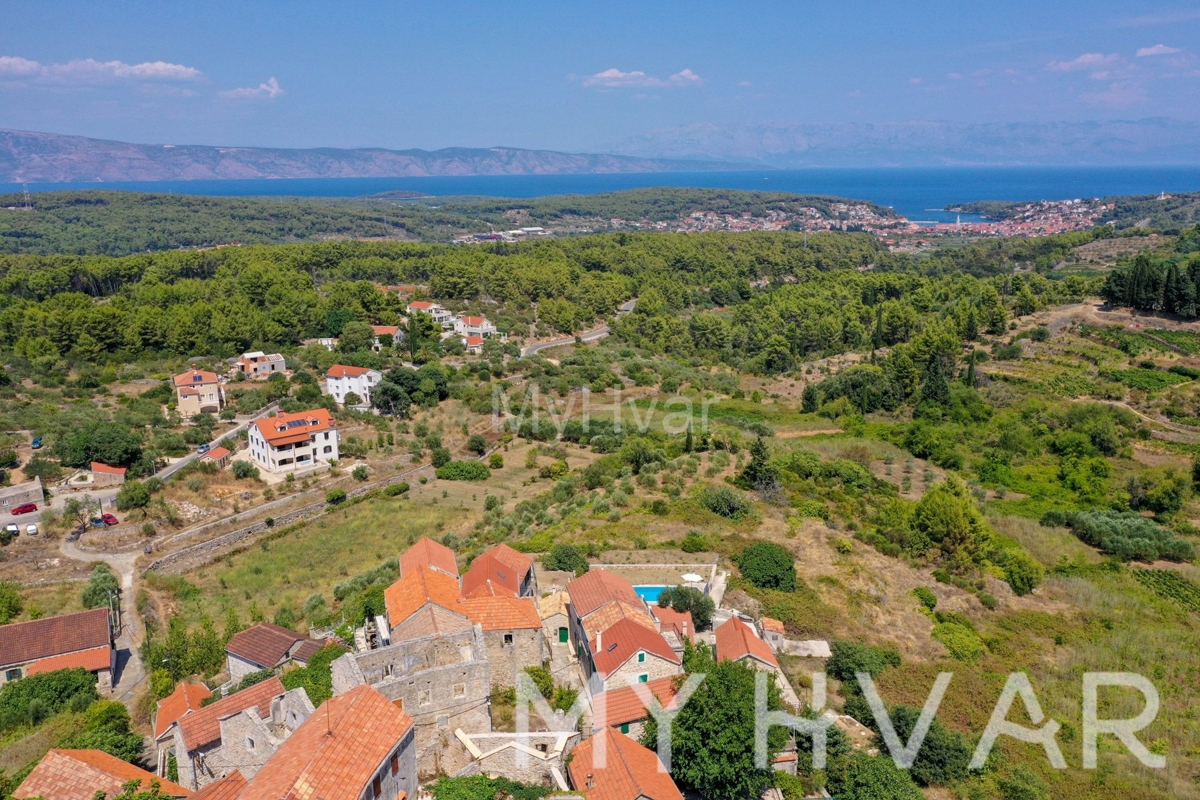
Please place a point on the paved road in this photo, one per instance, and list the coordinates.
(590, 336)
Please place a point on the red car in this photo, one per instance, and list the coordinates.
(109, 519)
(25, 508)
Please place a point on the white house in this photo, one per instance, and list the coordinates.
(288, 442)
(440, 315)
(392, 332)
(258, 364)
(342, 380)
(466, 326)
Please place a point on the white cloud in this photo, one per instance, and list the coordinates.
(267, 91)
(1157, 50)
(616, 79)
(1085, 61)
(1120, 94)
(916, 81)
(91, 71)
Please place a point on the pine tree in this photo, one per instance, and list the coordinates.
(934, 388)
(969, 379)
(688, 443)
(971, 326)
(877, 330)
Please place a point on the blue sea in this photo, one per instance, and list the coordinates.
(916, 193)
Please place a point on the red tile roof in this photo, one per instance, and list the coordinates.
(421, 305)
(623, 705)
(80, 774)
(417, 588)
(502, 612)
(501, 565)
(430, 621)
(622, 641)
(216, 454)
(473, 321)
(93, 660)
(772, 625)
(294, 428)
(227, 788)
(680, 622)
(186, 698)
(385, 330)
(627, 770)
(737, 640)
(596, 587)
(196, 377)
(336, 752)
(474, 341)
(344, 371)
(610, 614)
(425, 552)
(263, 644)
(203, 727)
(107, 470)
(22, 642)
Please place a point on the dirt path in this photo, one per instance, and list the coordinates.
(130, 671)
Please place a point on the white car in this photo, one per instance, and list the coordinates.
(11, 529)
(31, 529)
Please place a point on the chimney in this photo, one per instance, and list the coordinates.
(685, 633)
(599, 642)
(591, 781)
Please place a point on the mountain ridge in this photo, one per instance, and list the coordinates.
(35, 157)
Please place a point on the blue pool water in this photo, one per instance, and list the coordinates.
(649, 593)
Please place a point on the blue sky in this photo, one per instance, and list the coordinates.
(573, 76)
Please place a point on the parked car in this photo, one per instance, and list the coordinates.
(25, 508)
(36, 444)
(109, 519)
(31, 529)
(202, 449)
(11, 529)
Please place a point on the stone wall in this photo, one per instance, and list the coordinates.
(530, 758)
(628, 673)
(509, 652)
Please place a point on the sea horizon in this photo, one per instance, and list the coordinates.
(918, 193)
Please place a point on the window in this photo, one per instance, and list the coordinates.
(249, 743)
(460, 690)
(641, 657)
(643, 678)
(388, 669)
(625, 728)
(376, 786)
(508, 640)
(443, 721)
(395, 763)
(423, 698)
(13, 674)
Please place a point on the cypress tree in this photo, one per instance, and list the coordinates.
(934, 388)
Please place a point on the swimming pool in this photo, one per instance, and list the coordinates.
(649, 593)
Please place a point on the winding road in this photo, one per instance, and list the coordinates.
(590, 336)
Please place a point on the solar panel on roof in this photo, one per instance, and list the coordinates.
(297, 423)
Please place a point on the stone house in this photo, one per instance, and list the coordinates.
(81, 774)
(425, 552)
(535, 757)
(267, 646)
(83, 639)
(609, 766)
(442, 680)
(628, 652)
(556, 619)
(512, 633)
(358, 747)
(505, 568)
(22, 493)
(186, 698)
(738, 641)
(623, 710)
(104, 475)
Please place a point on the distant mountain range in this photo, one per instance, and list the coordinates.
(924, 144)
(27, 157)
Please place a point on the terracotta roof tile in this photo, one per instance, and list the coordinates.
(474, 341)
(186, 698)
(421, 586)
(216, 453)
(553, 604)
(501, 565)
(678, 621)
(425, 552)
(80, 774)
(227, 788)
(627, 771)
(596, 587)
(385, 330)
(291, 428)
(263, 644)
(623, 640)
(737, 640)
(623, 705)
(93, 660)
(502, 612)
(336, 752)
(772, 625)
(203, 727)
(196, 377)
(106, 469)
(344, 371)
(22, 642)
(610, 614)
(432, 620)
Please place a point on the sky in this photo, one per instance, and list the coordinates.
(573, 76)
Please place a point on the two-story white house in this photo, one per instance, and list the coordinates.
(342, 380)
(466, 326)
(440, 315)
(288, 442)
(389, 335)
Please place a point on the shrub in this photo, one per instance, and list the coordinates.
(684, 599)
(660, 507)
(396, 489)
(495, 461)
(46, 693)
(463, 471)
(1021, 571)
(926, 597)
(566, 558)
(244, 470)
(440, 457)
(133, 494)
(477, 444)
(10, 601)
(335, 496)
(1129, 537)
(768, 566)
(361, 473)
(100, 585)
(850, 657)
(963, 642)
(694, 542)
(725, 501)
